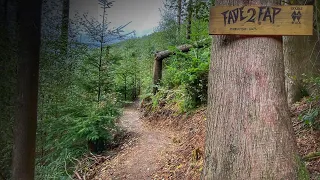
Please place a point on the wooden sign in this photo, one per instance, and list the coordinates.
(261, 20)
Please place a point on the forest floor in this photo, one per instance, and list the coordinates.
(142, 154)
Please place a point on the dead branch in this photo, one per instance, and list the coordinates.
(78, 176)
(88, 165)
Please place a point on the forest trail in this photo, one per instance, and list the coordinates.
(146, 156)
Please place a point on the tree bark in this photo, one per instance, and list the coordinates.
(29, 15)
(179, 15)
(189, 19)
(301, 54)
(157, 74)
(249, 133)
(65, 27)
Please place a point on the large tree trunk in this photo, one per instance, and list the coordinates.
(249, 133)
(28, 72)
(300, 57)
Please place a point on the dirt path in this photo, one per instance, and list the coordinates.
(139, 161)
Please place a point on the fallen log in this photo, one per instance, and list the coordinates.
(165, 54)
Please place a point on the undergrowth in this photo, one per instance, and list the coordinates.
(310, 116)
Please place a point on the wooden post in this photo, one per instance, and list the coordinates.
(157, 74)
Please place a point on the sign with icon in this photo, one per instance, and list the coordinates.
(261, 20)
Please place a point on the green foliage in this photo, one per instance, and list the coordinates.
(68, 133)
(178, 97)
(309, 118)
(303, 173)
(188, 73)
(95, 77)
(132, 71)
(56, 168)
(73, 112)
(314, 82)
(185, 80)
(185, 75)
(98, 123)
(69, 113)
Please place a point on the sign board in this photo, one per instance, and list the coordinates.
(261, 20)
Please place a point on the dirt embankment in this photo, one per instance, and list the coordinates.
(167, 145)
(187, 161)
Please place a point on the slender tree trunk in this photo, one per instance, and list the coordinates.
(179, 15)
(189, 19)
(65, 27)
(135, 86)
(42, 133)
(125, 88)
(300, 57)
(249, 133)
(139, 86)
(99, 72)
(29, 18)
(101, 52)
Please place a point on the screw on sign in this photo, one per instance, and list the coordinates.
(261, 20)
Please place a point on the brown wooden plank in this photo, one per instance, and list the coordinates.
(261, 20)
